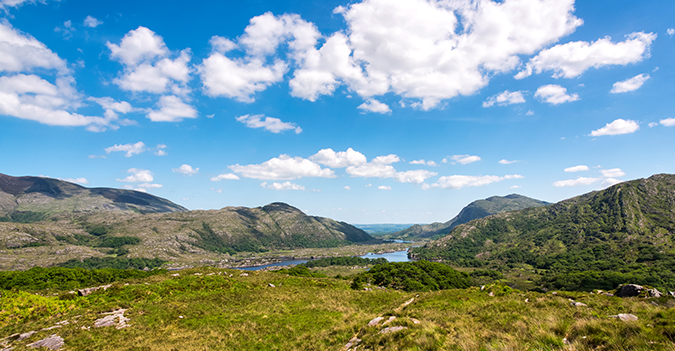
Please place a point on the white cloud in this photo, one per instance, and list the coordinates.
(423, 162)
(92, 22)
(430, 50)
(619, 126)
(21, 52)
(515, 187)
(67, 29)
(138, 176)
(652, 124)
(578, 168)
(149, 186)
(506, 162)
(339, 159)
(236, 79)
(612, 173)
(372, 105)
(668, 122)
(160, 150)
(283, 167)
(83, 181)
(130, 149)
(462, 159)
(171, 109)
(461, 181)
(505, 98)
(416, 176)
(274, 125)
(370, 170)
(147, 65)
(282, 186)
(631, 84)
(670, 31)
(186, 169)
(384, 187)
(140, 44)
(529, 113)
(572, 59)
(225, 176)
(554, 94)
(347, 187)
(13, 3)
(575, 182)
(113, 108)
(385, 160)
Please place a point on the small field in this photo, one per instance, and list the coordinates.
(225, 309)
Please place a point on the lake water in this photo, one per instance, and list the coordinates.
(396, 256)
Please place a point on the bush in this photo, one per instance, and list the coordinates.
(413, 276)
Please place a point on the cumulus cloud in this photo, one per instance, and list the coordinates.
(461, 181)
(506, 162)
(83, 181)
(668, 122)
(372, 105)
(92, 22)
(23, 53)
(138, 176)
(283, 167)
(423, 162)
(670, 31)
(631, 84)
(612, 173)
(384, 187)
(274, 125)
(572, 59)
(386, 159)
(372, 170)
(578, 168)
(186, 169)
(225, 176)
(619, 126)
(347, 187)
(416, 176)
(282, 186)
(610, 181)
(462, 159)
(576, 182)
(114, 108)
(505, 98)
(554, 94)
(138, 45)
(339, 159)
(159, 150)
(171, 109)
(130, 149)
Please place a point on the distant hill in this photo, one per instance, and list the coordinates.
(190, 237)
(27, 199)
(621, 234)
(382, 228)
(474, 210)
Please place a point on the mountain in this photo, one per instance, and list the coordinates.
(621, 234)
(189, 237)
(474, 210)
(26, 199)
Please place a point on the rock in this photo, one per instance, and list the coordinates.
(415, 321)
(26, 335)
(109, 321)
(653, 293)
(608, 294)
(271, 285)
(578, 304)
(243, 275)
(629, 290)
(375, 321)
(672, 293)
(491, 294)
(87, 291)
(407, 302)
(175, 275)
(391, 319)
(53, 342)
(391, 330)
(353, 342)
(626, 317)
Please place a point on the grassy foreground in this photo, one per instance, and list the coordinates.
(219, 309)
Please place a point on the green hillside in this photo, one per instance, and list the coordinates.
(474, 210)
(191, 237)
(597, 240)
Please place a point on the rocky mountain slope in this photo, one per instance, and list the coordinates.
(474, 210)
(624, 232)
(27, 199)
(191, 237)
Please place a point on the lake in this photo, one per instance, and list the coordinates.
(396, 256)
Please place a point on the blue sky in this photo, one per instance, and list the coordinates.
(374, 111)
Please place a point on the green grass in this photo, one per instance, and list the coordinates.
(244, 313)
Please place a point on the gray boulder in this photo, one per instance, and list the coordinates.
(629, 290)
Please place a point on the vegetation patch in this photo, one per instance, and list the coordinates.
(114, 262)
(413, 276)
(344, 261)
(60, 278)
